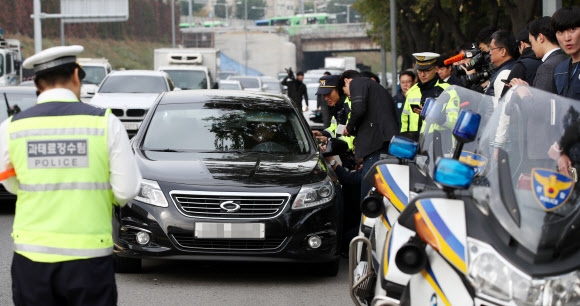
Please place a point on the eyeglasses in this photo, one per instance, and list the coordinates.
(491, 49)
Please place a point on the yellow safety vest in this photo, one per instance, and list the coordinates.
(333, 127)
(64, 199)
(410, 120)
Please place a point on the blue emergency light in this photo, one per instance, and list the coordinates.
(403, 148)
(467, 125)
(453, 173)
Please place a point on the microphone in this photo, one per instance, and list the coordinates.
(454, 59)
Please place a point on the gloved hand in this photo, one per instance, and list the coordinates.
(290, 73)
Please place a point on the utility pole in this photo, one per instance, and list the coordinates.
(393, 46)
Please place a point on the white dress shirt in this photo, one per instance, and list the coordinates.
(125, 176)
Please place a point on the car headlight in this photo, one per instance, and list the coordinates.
(150, 193)
(494, 277)
(314, 194)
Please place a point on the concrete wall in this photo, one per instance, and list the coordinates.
(268, 53)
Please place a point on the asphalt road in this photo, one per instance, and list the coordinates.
(179, 283)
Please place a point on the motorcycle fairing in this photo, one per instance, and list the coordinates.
(446, 220)
(397, 189)
(397, 237)
(550, 188)
(438, 284)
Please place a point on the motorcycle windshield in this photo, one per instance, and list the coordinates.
(533, 201)
(436, 139)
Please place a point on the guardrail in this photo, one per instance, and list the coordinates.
(351, 29)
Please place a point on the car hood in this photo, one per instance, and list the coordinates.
(230, 168)
(124, 100)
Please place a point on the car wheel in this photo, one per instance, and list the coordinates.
(329, 268)
(127, 265)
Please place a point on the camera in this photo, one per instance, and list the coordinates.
(480, 62)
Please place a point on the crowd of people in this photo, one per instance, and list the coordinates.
(545, 55)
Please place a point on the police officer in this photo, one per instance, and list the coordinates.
(73, 162)
(429, 86)
(339, 109)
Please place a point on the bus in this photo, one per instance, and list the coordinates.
(298, 20)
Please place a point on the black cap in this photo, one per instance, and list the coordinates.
(523, 35)
(327, 84)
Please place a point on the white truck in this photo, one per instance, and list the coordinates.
(342, 63)
(10, 61)
(96, 70)
(189, 68)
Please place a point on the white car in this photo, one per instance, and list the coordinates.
(96, 69)
(130, 94)
(251, 83)
(230, 85)
(312, 106)
(271, 85)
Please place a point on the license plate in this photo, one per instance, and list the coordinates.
(230, 230)
(131, 126)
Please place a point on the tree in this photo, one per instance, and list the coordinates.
(443, 25)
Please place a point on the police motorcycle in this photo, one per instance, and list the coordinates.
(396, 184)
(511, 238)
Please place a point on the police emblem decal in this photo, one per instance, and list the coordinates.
(551, 189)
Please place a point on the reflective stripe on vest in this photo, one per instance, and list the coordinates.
(63, 251)
(54, 132)
(64, 186)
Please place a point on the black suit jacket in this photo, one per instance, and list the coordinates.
(545, 75)
(373, 116)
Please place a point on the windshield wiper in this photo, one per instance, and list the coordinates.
(164, 150)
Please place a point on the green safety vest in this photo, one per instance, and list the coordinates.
(64, 198)
(333, 127)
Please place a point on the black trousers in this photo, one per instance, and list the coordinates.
(84, 282)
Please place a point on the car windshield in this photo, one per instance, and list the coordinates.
(94, 74)
(133, 84)
(198, 127)
(248, 82)
(234, 86)
(273, 86)
(188, 79)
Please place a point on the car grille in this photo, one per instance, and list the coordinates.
(136, 112)
(188, 241)
(117, 112)
(251, 206)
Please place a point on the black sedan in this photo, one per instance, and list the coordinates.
(229, 175)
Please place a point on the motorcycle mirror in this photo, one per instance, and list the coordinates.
(403, 148)
(453, 173)
(428, 103)
(466, 127)
(372, 205)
